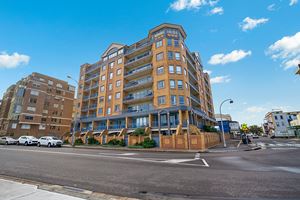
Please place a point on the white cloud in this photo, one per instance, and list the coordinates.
(13, 60)
(271, 7)
(220, 79)
(256, 109)
(179, 5)
(207, 71)
(249, 23)
(217, 10)
(293, 2)
(287, 49)
(233, 56)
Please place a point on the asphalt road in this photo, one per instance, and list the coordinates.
(273, 173)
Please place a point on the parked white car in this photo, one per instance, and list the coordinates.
(8, 140)
(27, 140)
(49, 141)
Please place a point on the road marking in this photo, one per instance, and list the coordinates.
(205, 163)
(118, 154)
(107, 156)
(290, 169)
(179, 160)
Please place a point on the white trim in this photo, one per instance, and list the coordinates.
(52, 85)
(29, 123)
(59, 125)
(50, 94)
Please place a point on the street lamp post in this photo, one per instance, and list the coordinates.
(223, 135)
(75, 117)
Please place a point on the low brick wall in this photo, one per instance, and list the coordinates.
(133, 139)
(109, 138)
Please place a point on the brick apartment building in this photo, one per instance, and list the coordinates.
(37, 105)
(156, 82)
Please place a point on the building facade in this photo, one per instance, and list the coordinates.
(39, 105)
(278, 122)
(156, 83)
(4, 108)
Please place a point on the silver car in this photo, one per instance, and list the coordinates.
(8, 140)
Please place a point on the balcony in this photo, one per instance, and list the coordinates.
(138, 48)
(116, 127)
(195, 99)
(139, 60)
(92, 106)
(100, 128)
(84, 108)
(139, 84)
(192, 75)
(194, 90)
(85, 98)
(93, 67)
(138, 98)
(138, 72)
(91, 77)
(95, 95)
(138, 110)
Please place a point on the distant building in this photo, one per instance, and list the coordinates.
(295, 126)
(224, 117)
(298, 70)
(37, 105)
(229, 126)
(277, 122)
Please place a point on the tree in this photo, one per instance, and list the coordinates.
(255, 129)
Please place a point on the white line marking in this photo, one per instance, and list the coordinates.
(178, 160)
(205, 163)
(105, 156)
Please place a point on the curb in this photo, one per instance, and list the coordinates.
(66, 190)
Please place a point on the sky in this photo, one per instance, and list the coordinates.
(249, 47)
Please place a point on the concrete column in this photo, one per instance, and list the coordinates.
(168, 118)
(159, 123)
(150, 120)
(107, 124)
(180, 117)
(126, 122)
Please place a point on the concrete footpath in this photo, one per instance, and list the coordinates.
(16, 189)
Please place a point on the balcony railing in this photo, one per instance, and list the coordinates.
(131, 98)
(173, 124)
(139, 57)
(129, 51)
(94, 96)
(140, 69)
(101, 128)
(150, 108)
(86, 117)
(93, 67)
(91, 77)
(193, 87)
(116, 126)
(92, 106)
(138, 82)
(197, 100)
(138, 125)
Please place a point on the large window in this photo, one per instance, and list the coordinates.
(34, 92)
(172, 84)
(181, 100)
(103, 77)
(118, 95)
(102, 88)
(160, 84)
(169, 40)
(180, 84)
(158, 43)
(111, 65)
(120, 60)
(100, 110)
(159, 56)
(178, 70)
(160, 70)
(176, 43)
(171, 69)
(117, 108)
(173, 100)
(119, 71)
(108, 110)
(111, 75)
(118, 83)
(110, 86)
(161, 100)
(177, 55)
(170, 55)
(109, 98)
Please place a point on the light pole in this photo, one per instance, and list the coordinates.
(223, 136)
(75, 117)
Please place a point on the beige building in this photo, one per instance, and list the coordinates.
(156, 82)
(39, 105)
(225, 117)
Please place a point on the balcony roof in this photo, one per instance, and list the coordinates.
(168, 25)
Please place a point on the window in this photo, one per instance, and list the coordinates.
(103, 77)
(170, 55)
(160, 70)
(120, 60)
(275, 117)
(50, 82)
(33, 100)
(117, 108)
(118, 83)
(171, 69)
(180, 84)
(14, 125)
(103, 67)
(31, 109)
(42, 127)
(178, 70)
(177, 55)
(160, 84)
(185, 72)
(58, 85)
(181, 100)
(105, 58)
(159, 56)
(110, 86)
(118, 95)
(281, 117)
(119, 71)
(108, 110)
(176, 43)
(45, 111)
(25, 126)
(55, 105)
(43, 119)
(158, 43)
(172, 84)
(102, 88)
(28, 117)
(100, 110)
(169, 42)
(101, 99)
(111, 75)
(111, 65)
(161, 100)
(34, 92)
(120, 51)
(109, 98)
(173, 100)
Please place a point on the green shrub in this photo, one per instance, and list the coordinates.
(209, 129)
(138, 131)
(92, 140)
(78, 141)
(66, 141)
(148, 143)
(122, 143)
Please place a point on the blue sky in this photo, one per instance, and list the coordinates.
(249, 46)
